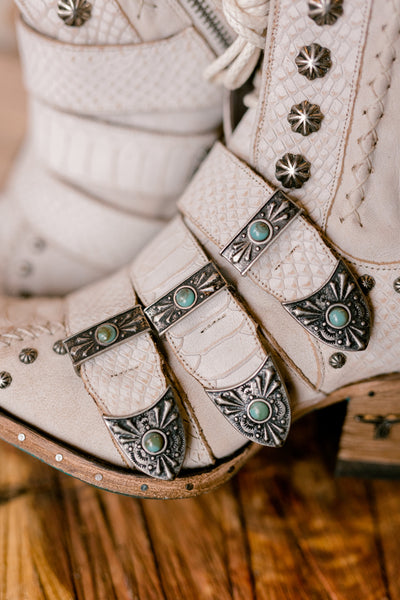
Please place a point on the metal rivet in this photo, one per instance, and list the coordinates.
(25, 269)
(325, 12)
(366, 283)
(28, 355)
(98, 477)
(305, 118)
(396, 285)
(292, 170)
(74, 13)
(337, 360)
(189, 486)
(59, 457)
(144, 487)
(39, 244)
(21, 437)
(59, 348)
(313, 61)
(5, 380)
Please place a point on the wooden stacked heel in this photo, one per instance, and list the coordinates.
(370, 440)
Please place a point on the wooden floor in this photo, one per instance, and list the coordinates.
(283, 529)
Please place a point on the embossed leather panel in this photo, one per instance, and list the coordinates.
(224, 194)
(98, 80)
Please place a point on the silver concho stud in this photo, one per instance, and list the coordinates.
(337, 314)
(258, 408)
(396, 285)
(337, 360)
(28, 355)
(366, 283)
(325, 12)
(313, 61)
(292, 170)
(305, 118)
(59, 348)
(74, 13)
(5, 380)
(153, 441)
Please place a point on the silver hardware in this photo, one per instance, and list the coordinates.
(396, 285)
(342, 295)
(74, 13)
(313, 61)
(337, 360)
(28, 355)
(21, 437)
(278, 212)
(366, 283)
(382, 424)
(325, 12)
(164, 423)
(165, 312)
(305, 118)
(59, 348)
(25, 269)
(258, 408)
(292, 170)
(59, 457)
(84, 345)
(5, 380)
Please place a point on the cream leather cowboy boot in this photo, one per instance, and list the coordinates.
(276, 291)
(120, 117)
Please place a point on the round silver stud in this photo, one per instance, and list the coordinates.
(337, 360)
(292, 170)
(39, 244)
(5, 380)
(59, 348)
(305, 118)
(366, 283)
(98, 477)
(25, 269)
(59, 457)
(74, 13)
(313, 61)
(21, 437)
(28, 355)
(396, 285)
(325, 12)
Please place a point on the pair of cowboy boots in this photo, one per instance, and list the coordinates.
(274, 291)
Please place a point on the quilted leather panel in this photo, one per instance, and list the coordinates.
(107, 24)
(143, 171)
(217, 342)
(224, 194)
(100, 80)
(284, 86)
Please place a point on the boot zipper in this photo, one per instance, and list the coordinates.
(209, 23)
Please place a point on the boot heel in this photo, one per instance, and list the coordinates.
(370, 441)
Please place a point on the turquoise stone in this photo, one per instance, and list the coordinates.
(338, 316)
(153, 442)
(185, 297)
(106, 334)
(259, 231)
(259, 410)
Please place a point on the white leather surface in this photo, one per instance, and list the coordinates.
(224, 194)
(99, 80)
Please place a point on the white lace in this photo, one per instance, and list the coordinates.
(248, 18)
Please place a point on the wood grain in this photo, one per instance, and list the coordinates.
(283, 529)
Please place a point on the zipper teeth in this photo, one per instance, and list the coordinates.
(211, 21)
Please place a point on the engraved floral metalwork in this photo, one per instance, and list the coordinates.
(325, 12)
(161, 420)
(5, 380)
(28, 355)
(382, 424)
(337, 360)
(74, 13)
(278, 212)
(313, 61)
(396, 285)
(366, 283)
(305, 118)
(59, 348)
(266, 390)
(84, 345)
(165, 311)
(292, 170)
(340, 294)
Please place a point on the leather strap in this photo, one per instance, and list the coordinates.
(101, 80)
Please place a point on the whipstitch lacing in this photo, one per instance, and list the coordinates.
(32, 332)
(248, 18)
